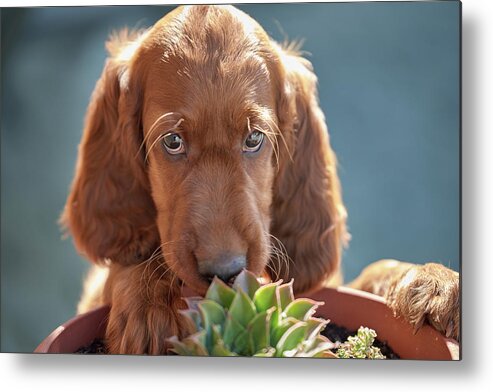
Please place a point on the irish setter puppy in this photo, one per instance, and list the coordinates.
(205, 152)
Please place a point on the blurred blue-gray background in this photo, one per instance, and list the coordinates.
(389, 86)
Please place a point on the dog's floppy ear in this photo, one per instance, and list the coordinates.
(109, 210)
(309, 217)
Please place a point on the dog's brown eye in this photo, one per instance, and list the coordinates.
(173, 143)
(253, 141)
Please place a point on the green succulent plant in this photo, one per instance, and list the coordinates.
(248, 319)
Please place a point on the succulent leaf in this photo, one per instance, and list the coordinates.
(266, 297)
(247, 282)
(241, 344)
(316, 341)
(314, 326)
(214, 337)
(292, 338)
(193, 302)
(259, 331)
(266, 352)
(275, 319)
(220, 292)
(212, 313)
(220, 350)
(286, 295)
(242, 308)
(193, 317)
(301, 308)
(179, 348)
(320, 351)
(281, 328)
(196, 343)
(198, 337)
(232, 329)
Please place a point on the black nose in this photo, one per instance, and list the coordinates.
(226, 267)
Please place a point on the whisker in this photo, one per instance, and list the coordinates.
(148, 281)
(271, 136)
(279, 251)
(280, 261)
(152, 145)
(145, 278)
(153, 126)
(143, 281)
(275, 276)
(160, 137)
(277, 131)
(158, 280)
(171, 287)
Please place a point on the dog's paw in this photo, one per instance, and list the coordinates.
(428, 293)
(142, 330)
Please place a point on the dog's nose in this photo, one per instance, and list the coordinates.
(226, 267)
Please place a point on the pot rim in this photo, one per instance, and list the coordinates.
(84, 328)
(427, 342)
(55, 342)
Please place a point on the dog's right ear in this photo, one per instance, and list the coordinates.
(308, 214)
(109, 211)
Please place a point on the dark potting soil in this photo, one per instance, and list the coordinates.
(332, 331)
(336, 333)
(96, 347)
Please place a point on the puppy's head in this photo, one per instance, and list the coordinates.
(190, 152)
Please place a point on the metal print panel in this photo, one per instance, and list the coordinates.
(227, 179)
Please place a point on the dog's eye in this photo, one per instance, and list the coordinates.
(253, 141)
(173, 143)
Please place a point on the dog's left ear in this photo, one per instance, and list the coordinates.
(309, 217)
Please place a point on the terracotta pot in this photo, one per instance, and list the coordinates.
(354, 308)
(78, 332)
(343, 306)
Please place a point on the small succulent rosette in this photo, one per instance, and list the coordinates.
(360, 346)
(248, 319)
